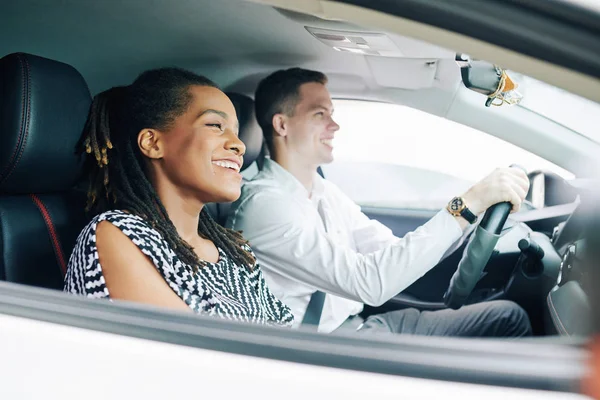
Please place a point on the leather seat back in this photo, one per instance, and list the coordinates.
(43, 108)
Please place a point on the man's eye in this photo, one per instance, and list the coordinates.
(320, 114)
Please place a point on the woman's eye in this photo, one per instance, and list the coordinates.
(219, 126)
(320, 114)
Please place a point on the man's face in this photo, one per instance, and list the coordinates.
(311, 129)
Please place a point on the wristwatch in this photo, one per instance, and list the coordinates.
(458, 208)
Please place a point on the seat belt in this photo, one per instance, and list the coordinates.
(320, 172)
(312, 316)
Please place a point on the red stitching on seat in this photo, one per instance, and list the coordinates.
(60, 257)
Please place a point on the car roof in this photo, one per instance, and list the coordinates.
(233, 42)
(236, 43)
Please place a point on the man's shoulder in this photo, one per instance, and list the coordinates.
(263, 186)
(331, 190)
(261, 182)
(258, 195)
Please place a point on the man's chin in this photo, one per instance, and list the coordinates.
(326, 159)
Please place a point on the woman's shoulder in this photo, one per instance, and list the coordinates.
(133, 226)
(119, 216)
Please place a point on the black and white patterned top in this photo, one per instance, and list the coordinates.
(221, 289)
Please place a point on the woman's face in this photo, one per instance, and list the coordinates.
(201, 155)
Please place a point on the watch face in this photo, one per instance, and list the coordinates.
(456, 204)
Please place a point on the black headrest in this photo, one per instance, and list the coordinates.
(250, 132)
(43, 108)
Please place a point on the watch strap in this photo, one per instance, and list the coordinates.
(468, 215)
(458, 207)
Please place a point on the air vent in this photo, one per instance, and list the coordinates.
(363, 43)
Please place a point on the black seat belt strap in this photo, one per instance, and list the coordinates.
(312, 317)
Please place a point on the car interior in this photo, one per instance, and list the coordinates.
(56, 56)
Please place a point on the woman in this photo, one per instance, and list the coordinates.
(156, 152)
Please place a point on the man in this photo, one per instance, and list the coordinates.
(310, 238)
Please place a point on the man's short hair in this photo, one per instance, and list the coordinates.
(279, 93)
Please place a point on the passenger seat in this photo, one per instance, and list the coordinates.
(43, 108)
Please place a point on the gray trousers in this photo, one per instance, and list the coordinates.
(499, 318)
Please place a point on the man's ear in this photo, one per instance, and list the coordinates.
(280, 123)
(150, 143)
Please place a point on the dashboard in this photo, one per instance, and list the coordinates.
(549, 276)
(568, 301)
(537, 262)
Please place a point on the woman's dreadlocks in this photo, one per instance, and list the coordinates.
(114, 165)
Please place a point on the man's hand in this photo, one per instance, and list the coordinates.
(504, 184)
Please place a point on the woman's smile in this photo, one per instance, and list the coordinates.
(229, 166)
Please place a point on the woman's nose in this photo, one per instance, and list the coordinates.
(235, 144)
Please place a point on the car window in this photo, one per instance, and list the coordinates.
(412, 159)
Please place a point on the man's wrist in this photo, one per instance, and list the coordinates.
(458, 207)
(472, 204)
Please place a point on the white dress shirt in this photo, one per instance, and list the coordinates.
(322, 241)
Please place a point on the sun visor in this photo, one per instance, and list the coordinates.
(403, 73)
(395, 62)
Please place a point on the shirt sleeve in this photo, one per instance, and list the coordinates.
(287, 241)
(369, 235)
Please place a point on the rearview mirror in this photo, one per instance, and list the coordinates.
(489, 80)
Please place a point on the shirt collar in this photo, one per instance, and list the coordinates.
(273, 170)
(318, 187)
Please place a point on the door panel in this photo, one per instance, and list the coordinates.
(400, 221)
(148, 341)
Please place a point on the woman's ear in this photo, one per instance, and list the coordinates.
(150, 143)
(279, 125)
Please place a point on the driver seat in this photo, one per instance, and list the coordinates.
(43, 108)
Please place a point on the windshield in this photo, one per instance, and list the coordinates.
(574, 112)
(405, 163)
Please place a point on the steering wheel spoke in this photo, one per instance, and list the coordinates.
(476, 255)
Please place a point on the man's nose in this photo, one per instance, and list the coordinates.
(334, 126)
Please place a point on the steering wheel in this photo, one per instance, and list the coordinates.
(476, 255)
